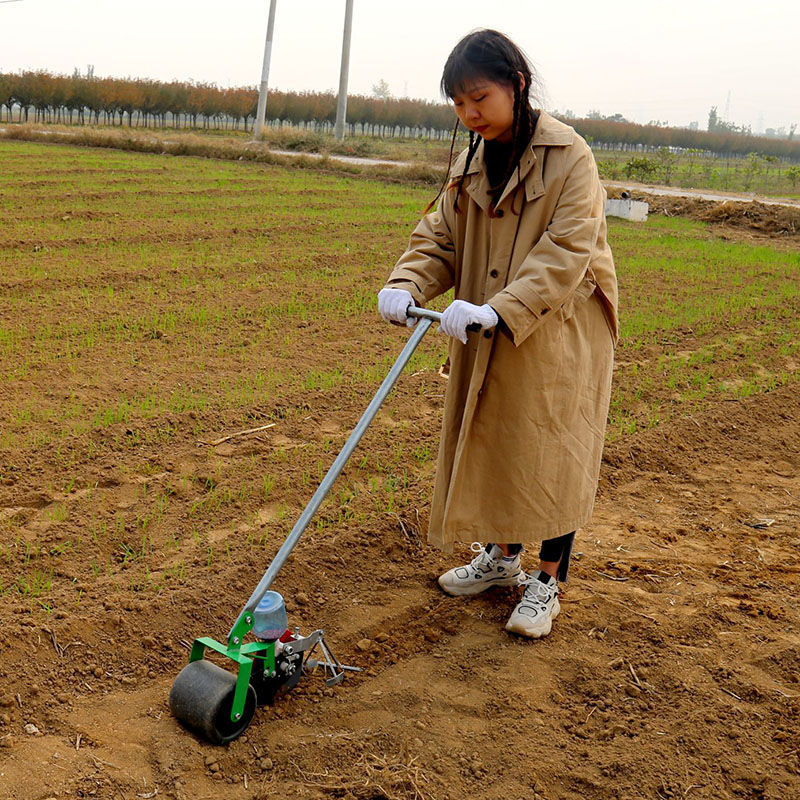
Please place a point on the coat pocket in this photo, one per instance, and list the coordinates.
(578, 298)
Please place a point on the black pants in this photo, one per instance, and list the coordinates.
(558, 549)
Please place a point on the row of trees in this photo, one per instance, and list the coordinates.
(717, 123)
(631, 136)
(43, 97)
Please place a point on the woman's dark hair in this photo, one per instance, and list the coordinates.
(490, 55)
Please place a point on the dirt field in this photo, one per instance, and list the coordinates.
(672, 672)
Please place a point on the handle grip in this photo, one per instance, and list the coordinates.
(435, 316)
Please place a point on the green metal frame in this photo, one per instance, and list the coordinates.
(242, 654)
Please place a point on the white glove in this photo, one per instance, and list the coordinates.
(459, 314)
(393, 304)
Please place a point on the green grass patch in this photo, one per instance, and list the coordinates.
(140, 289)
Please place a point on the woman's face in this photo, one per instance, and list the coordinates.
(487, 108)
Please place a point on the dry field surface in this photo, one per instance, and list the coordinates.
(152, 305)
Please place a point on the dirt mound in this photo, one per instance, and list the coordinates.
(752, 216)
(745, 215)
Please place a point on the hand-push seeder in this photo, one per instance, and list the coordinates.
(220, 705)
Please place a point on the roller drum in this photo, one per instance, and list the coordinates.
(201, 699)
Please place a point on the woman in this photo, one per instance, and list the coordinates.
(520, 236)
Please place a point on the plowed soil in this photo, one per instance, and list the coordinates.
(673, 670)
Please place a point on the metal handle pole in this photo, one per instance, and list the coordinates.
(424, 313)
(435, 316)
(426, 319)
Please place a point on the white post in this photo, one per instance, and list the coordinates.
(258, 126)
(341, 106)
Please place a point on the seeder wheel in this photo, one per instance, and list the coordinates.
(201, 698)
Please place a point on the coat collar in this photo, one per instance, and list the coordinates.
(549, 132)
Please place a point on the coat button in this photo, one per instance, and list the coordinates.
(499, 212)
(494, 273)
(487, 334)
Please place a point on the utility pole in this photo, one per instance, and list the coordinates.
(258, 126)
(341, 106)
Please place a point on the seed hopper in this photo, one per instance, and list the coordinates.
(268, 657)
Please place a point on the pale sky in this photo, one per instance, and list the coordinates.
(666, 61)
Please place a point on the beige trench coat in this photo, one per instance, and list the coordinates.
(525, 408)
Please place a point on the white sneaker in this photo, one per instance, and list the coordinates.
(486, 570)
(534, 614)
